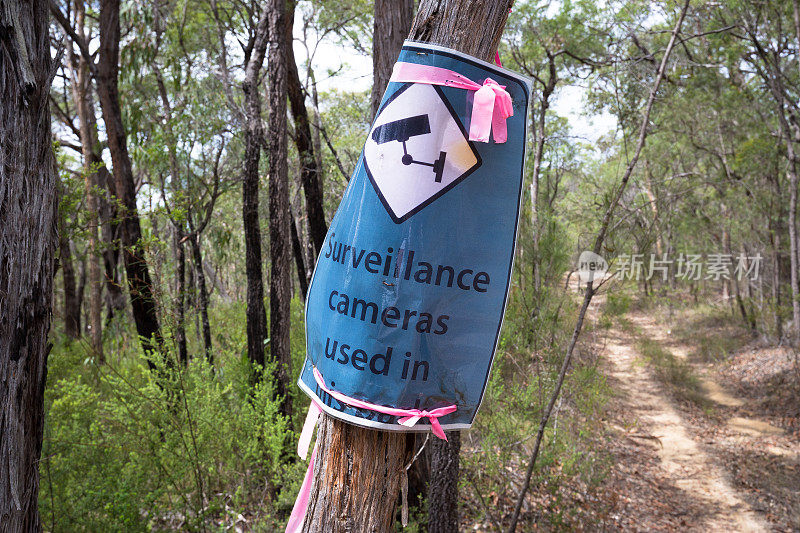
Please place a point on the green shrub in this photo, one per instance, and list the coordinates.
(130, 449)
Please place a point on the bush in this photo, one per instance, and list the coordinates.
(125, 450)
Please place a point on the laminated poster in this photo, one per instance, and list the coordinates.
(405, 306)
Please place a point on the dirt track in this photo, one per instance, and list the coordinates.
(682, 459)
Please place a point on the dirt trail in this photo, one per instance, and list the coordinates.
(682, 458)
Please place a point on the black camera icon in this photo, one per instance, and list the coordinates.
(402, 130)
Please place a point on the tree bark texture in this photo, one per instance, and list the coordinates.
(299, 257)
(72, 309)
(254, 135)
(28, 240)
(280, 240)
(179, 301)
(443, 484)
(392, 22)
(357, 477)
(140, 285)
(202, 295)
(357, 471)
(81, 96)
(310, 172)
(470, 26)
(110, 232)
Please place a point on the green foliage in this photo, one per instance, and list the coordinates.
(533, 343)
(125, 452)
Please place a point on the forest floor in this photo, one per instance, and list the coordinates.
(704, 425)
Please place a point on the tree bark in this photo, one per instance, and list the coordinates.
(299, 257)
(392, 22)
(115, 296)
(254, 135)
(28, 240)
(143, 303)
(357, 477)
(310, 172)
(81, 95)
(72, 310)
(467, 26)
(280, 242)
(180, 297)
(357, 470)
(443, 485)
(202, 295)
(544, 104)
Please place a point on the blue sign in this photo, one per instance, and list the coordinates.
(407, 299)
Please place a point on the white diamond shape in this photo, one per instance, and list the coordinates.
(435, 157)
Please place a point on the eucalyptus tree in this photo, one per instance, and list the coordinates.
(105, 72)
(27, 254)
(554, 44)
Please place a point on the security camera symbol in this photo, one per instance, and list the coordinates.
(402, 130)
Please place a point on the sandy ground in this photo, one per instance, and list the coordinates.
(675, 472)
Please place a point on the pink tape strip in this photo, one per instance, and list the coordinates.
(298, 516)
(409, 416)
(490, 108)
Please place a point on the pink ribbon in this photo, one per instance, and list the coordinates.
(491, 105)
(298, 516)
(409, 416)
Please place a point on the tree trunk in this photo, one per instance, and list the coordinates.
(202, 295)
(72, 310)
(392, 22)
(299, 257)
(357, 470)
(28, 240)
(81, 96)
(776, 277)
(538, 153)
(471, 27)
(280, 240)
(254, 135)
(792, 223)
(115, 296)
(443, 485)
(143, 304)
(357, 477)
(310, 172)
(180, 297)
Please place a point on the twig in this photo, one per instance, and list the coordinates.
(597, 248)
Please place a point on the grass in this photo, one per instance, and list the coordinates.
(675, 373)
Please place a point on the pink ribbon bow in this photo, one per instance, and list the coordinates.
(409, 417)
(491, 105)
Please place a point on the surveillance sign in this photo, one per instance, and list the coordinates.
(410, 165)
(405, 307)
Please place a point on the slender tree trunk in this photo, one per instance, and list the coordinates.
(202, 295)
(115, 296)
(254, 135)
(443, 486)
(72, 311)
(81, 96)
(367, 462)
(28, 240)
(140, 285)
(357, 477)
(310, 172)
(598, 246)
(280, 240)
(299, 257)
(392, 22)
(180, 297)
(792, 223)
(538, 153)
(774, 231)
